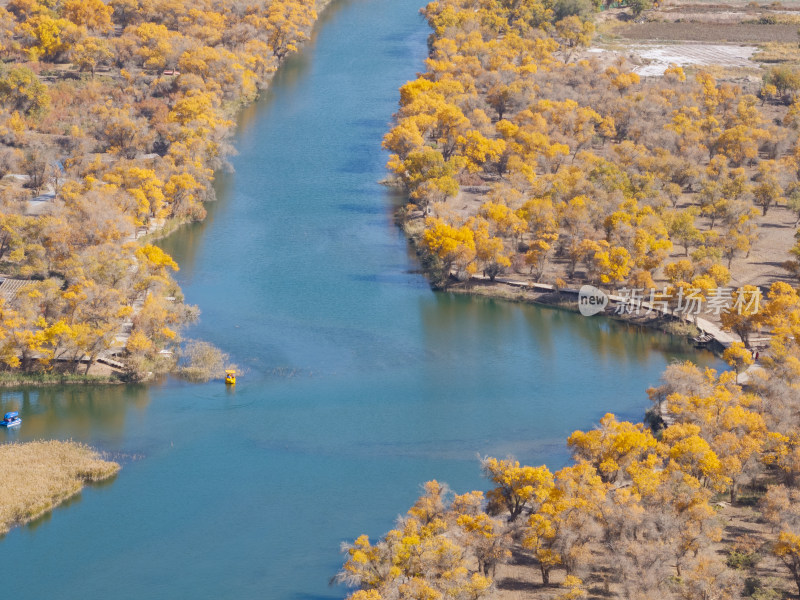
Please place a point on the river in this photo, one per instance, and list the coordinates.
(359, 385)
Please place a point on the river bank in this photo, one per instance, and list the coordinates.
(20, 380)
(85, 191)
(42, 475)
(550, 165)
(565, 297)
(361, 382)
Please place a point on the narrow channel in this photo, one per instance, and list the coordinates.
(359, 382)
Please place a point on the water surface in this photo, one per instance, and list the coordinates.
(360, 382)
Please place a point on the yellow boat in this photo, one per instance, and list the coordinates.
(230, 377)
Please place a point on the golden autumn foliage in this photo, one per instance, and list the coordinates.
(521, 153)
(424, 560)
(646, 501)
(511, 113)
(613, 447)
(638, 510)
(738, 357)
(126, 135)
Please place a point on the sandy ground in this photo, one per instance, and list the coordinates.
(520, 578)
(763, 266)
(657, 58)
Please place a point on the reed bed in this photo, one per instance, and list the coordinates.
(38, 476)
(17, 379)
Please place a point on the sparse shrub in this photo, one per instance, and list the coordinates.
(742, 560)
(762, 593)
(567, 8)
(204, 361)
(8, 161)
(638, 6)
(751, 585)
(681, 328)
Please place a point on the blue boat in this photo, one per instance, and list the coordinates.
(10, 419)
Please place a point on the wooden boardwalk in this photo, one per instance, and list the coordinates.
(723, 338)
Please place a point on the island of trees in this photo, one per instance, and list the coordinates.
(113, 119)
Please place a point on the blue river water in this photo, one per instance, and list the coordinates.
(359, 382)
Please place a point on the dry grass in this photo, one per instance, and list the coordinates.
(779, 19)
(38, 476)
(777, 53)
(100, 374)
(721, 73)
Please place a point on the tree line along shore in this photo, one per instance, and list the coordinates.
(113, 119)
(523, 153)
(699, 502)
